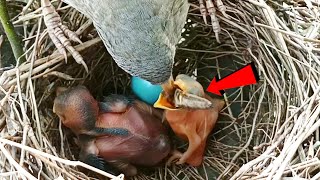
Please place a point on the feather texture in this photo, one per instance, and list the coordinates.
(141, 35)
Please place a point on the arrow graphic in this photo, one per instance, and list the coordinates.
(242, 77)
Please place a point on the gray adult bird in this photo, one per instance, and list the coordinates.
(140, 35)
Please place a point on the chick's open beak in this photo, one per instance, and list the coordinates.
(167, 93)
(184, 92)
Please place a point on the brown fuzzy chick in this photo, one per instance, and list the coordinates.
(189, 124)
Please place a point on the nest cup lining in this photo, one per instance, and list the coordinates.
(267, 130)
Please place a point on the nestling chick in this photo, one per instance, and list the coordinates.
(189, 124)
(118, 131)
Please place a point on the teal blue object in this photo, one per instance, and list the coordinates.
(145, 91)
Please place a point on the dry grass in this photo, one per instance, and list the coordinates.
(266, 131)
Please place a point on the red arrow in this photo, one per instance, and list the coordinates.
(242, 77)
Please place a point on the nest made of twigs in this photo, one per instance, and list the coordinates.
(268, 130)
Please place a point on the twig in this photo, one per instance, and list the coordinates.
(15, 41)
(64, 161)
(15, 164)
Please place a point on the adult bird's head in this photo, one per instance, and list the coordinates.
(140, 35)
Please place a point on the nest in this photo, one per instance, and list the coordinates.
(266, 131)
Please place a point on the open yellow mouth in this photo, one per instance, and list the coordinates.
(164, 103)
(184, 92)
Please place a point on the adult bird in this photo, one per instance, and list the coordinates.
(140, 35)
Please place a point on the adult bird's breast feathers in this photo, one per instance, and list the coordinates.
(141, 35)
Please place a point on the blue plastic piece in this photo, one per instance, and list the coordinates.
(145, 91)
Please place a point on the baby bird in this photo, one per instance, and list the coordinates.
(117, 131)
(189, 124)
